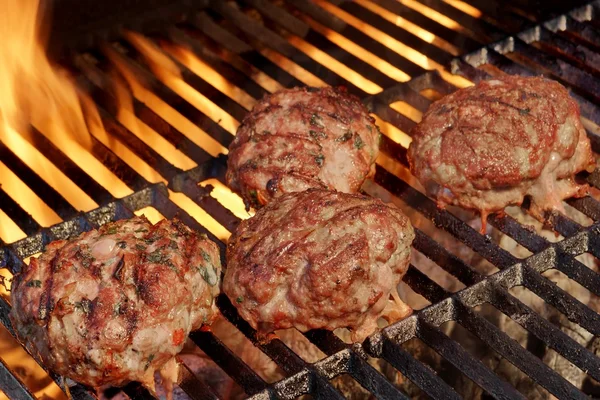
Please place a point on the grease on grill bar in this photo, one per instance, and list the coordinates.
(166, 107)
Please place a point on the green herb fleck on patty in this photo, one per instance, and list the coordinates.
(358, 142)
(345, 137)
(319, 158)
(34, 283)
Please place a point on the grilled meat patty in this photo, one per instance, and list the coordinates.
(117, 303)
(302, 138)
(490, 145)
(319, 259)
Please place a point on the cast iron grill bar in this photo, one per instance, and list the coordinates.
(229, 362)
(513, 352)
(196, 389)
(196, 82)
(461, 39)
(421, 375)
(207, 26)
(44, 191)
(267, 37)
(102, 96)
(461, 359)
(213, 52)
(482, 28)
(174, 100)
(545, 331)
(445, 220)
(12, 386)
(442, 257)
(360, 369)
(21, 217)
(433, 52)
(373, 46)
(98, 193)
(572, 308)
(232, 75)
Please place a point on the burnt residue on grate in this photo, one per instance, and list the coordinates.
(542, 333)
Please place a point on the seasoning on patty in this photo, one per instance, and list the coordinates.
(116, 304)
(302, 138)
(319, 260)
(491, 145)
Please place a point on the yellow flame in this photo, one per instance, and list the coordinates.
(464, 7)
(410, 27)
(334, 65)
(9, 231)
(17, 359)
(227, 198)
(406, 109)
(32, 90)
(126, 116)
(392, 132)
(206, 72)
(392, 43)
(151, 213)
(168, 72)
(26, 198)
(357, 51)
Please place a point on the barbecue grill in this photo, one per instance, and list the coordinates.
(252, 47)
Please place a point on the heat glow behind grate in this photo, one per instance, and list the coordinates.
(396, 55)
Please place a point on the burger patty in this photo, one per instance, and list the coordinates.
(302, 138)
(319, 259)
(490, 145)
(117, 303)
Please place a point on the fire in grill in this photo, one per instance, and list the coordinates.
(162, 108)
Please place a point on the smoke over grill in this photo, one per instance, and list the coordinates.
(158, 91)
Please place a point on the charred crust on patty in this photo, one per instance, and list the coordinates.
(490, 145)
(97, 316)
(303, 127)
(318, 259)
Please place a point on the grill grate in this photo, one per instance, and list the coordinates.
(517, 37)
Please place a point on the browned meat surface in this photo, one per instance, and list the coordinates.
(302, 138)
(490, 145)
(319, 259)
(116, 304)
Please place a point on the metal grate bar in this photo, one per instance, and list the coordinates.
(233, 75)
(269, 38)
(420, 374)
(98, 193)
(227, 40)
(44, 191)
(445, 220)
(572, 308)
(424, 286)
(545, 331)
(196, 389)
(12, 386)
(484, 28)
(514, 353)
(458, 38)
(449, 262)
(433, 52)
(23, 219)
(464, 361)
(229, 362)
